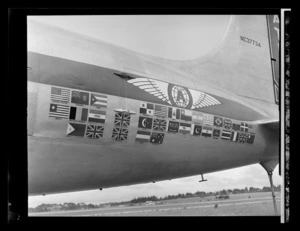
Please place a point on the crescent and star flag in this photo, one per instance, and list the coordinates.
(250, 139)
(243, 137)
(244, 127)
(173, 113)
(75, 129)
(160, 111)
(235, 136)
(59, 111)
(122, 119)
(99, 101)
(80, 97)
(186, 115)
(94, 131)
(227, 123)
(173, 126)
(236, 126)
(78, 113)
(196, 130)
(97, 116)
(184, 128)
(207, 131)
(60, 95)
(197, 117)
(226, 135)
(147, 108)
(218, 121)
(157, 138)
(159, 125)
(142, 136)
(120, 134)
(216, 133)
(208, 120)
(145, 122)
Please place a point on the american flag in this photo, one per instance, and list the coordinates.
(120, 134)
(94, 131)
(60, 95)
(122, 119)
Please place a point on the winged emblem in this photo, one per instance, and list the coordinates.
(201, 99)
(154, 87)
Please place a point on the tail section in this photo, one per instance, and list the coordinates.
(242, 62)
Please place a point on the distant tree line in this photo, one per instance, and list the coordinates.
(139, 200)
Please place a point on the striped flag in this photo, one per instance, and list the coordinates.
(97, 116)
(78, 113)
(142, 136)
(207, 131)
(60, 95)
(208, 120)
(234, 136)
(160, 111)
(173, 113)
(197, 117)
(184, 128)
(59, 111)
(98, 100)
(226, 135)
(186, 115)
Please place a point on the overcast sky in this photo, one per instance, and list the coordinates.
(173, 37)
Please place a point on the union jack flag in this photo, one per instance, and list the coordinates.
(94, 131)
(243, 137)
(122, 119)
(120, 134)
(227, 123)
(159, 125)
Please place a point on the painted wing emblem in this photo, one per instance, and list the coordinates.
(153, 87)
(201, 99)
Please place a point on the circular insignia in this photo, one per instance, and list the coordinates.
(180, 96)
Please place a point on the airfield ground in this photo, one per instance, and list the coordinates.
(248, 204)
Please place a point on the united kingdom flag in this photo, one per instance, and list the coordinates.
(120, 134)
(94, 131)
(122, 119)
(159, 125)
(227, 123)
(243, 137)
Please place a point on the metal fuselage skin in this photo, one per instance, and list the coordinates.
(59, 162)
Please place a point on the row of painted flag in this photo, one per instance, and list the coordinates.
(66, 96)
(80, 114)
(164, 112)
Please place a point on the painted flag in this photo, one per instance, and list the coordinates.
(185, 128)
(78, 113)
(173, 113)
(227, 123)
(157, 138)
(120, 134)
(236, 126)
(94, 131)
(173, 126)
(122, 119)
(142, 136)
(196, 130)
(186, 115)
(145, 122)
(159, 125)
(250, 139)
(235, 136)
(208, 120)
(160, 111)
(147, 108)
(59, 111)
(80, 97)
(75, 129)
(218, 121)
(207, 131)
(244, 127)
(216, 133)
(97, 116)
(243, 137)
(197, 117)
(226, 135)
(98, 100)
(60, 95)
